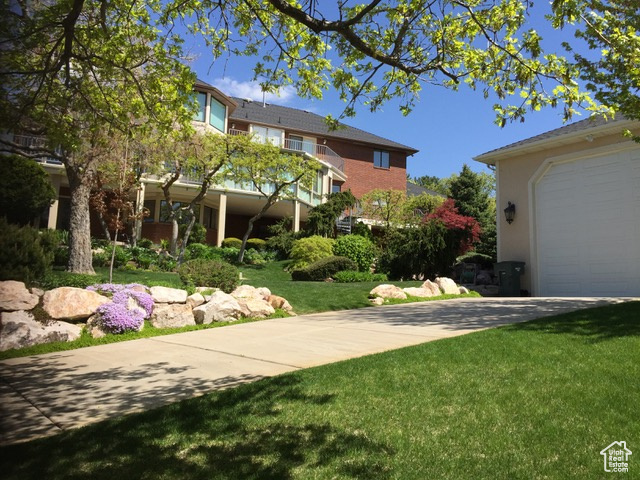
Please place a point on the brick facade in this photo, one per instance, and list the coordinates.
(362, 176)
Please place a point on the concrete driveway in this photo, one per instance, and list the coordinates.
(46, 394)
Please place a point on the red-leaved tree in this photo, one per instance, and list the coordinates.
(466, 230)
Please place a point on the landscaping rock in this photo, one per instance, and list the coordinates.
(388, 291)
(255, 307)
(19, 330)
(37, 291)
(265, 292)
(95, 329)
(195, 300)
(168, 295)
(172, 315)
(447, 286)
(464, 290)
(72, 303)
(432, 287)
(420, 292)
(377, 301)
(246, 291)
(221, 307)
(15, 296)
(280, 302)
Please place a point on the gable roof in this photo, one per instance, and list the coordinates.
(307, 122)
(592, 126)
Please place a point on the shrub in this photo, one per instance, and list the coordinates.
(254, 257)
(22, 255)
(100, 259)
(282, 237)
(309, 250)
(359, 249)
(61, 256)
(232, 242)
(198, 233)
(122, 256)
(257, 244)
(322, 269)
(145, 243)
(350, 276)
(363, 230)
(197, 250)
(209, 273)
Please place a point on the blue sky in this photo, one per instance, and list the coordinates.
(448, 128)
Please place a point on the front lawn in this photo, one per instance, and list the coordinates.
(532, 400)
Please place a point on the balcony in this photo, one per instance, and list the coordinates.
(31, 141)
(321, 152)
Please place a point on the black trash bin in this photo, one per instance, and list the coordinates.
(508, 277)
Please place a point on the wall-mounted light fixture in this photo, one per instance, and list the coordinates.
(510, 212)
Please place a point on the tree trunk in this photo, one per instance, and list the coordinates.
(80, 258)
(185, 238)
(173, 245)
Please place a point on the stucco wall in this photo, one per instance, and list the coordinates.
(515, 176)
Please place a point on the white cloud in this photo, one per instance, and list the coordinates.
(253, 91)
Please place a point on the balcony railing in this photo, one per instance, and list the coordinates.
(31, 141)
(322, 152)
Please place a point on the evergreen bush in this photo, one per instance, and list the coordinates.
(257, 244)
(232, 242)
(323, 269)
(22, 255)
(209, 273)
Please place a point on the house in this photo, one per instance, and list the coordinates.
(351, 159)
(574, 196)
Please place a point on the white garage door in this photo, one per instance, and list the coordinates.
(588, 227)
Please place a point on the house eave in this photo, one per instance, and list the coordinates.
(587, 134)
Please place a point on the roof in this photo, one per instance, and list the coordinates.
(217, 94)
(566, 134)
(303, 121)
(414, 190)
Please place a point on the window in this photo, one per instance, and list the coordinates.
(183, 215)
(210, 217)
(302, 144)
(381, 159)
(217, 114)
(271, 135)
(149, 207)
(336, 188)
(201, 101)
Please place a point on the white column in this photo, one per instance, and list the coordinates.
(139, 210)
(222, 218)
(296, 216)
(53, 209)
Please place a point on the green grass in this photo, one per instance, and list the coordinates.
(527, 401)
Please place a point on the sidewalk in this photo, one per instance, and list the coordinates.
(46, 394)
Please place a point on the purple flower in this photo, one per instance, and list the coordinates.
(117, 318)
(128, 308)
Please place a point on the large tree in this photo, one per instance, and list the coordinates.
(71, 71)
(612, 29)
(390, 49)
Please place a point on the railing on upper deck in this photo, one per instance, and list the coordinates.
(321, 152)
(29, 141)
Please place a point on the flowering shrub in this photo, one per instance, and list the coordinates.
(128, 307)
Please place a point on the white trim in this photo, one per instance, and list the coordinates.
(535, 179)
